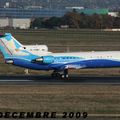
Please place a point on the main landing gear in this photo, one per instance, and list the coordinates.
(57, 74)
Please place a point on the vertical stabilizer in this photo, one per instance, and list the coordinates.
(9, 46)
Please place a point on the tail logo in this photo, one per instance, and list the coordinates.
(11, 46)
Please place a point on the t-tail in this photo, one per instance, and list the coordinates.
(10, 47)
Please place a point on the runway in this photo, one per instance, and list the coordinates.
(47, 80)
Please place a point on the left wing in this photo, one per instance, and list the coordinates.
(72, 65)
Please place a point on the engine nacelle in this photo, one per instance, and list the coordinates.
(45, 59)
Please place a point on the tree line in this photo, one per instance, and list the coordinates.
(76, 20)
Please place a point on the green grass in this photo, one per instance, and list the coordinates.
(66, 37)
(100, 99)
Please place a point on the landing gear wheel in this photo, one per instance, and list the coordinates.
(58, 75)
(66, 73)
(67, 76)
(55, 74)
(64, 76)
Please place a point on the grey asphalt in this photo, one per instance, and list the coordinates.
(47, 80)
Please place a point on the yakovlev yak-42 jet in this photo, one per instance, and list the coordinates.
(15, 53)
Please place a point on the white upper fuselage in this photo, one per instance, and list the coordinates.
(92, 55)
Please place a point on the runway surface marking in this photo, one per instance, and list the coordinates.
(15, 80)
(40, 80)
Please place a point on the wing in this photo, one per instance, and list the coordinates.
(75, 65)
(49, 60)
(72, 65)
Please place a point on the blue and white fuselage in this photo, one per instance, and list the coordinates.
(70, 60)
(14, 53)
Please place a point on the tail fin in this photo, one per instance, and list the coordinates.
(9, 46)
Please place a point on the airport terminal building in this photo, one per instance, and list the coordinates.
(30, 13)
(21, 18)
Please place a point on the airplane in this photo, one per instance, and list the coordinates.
(36, 49)
(16, 54)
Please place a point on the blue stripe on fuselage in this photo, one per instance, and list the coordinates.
(28, 64)
(96, 63)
